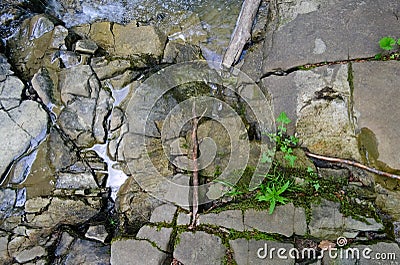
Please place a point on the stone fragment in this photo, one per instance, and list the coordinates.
(86, 46)
(211, 252)
(160, 236)
(18, 132)
(87, 252)
(64, 211)
(7, 199)
(101, 33)
(183, 219)
(176, 52)
(106, 68)
(261, 252)
(129, 251)
(163, 213)
(148, 40)
(30, 254)
(98, 233)
(44, 86)
(37, 204)
(328, 223)
(76, 181)
(231, 219)
(10, 92)
(63, 244)
(285, 220)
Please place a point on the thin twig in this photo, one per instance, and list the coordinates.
(195, 202)
(352, 163)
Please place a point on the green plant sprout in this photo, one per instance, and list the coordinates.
(388, 44)
(314, 182)
(233, 191)
(283, 142)
(272, 193)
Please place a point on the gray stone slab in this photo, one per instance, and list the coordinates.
(285, 220)
(199, 248)
(163, 213)
(228, 219)
(328, 223)
(87, 252)
(183, 219)
(376, 95)
(247, 252)
(135, 252)
(314, 31)
(30, 254)
(159, 236)
(97, 232)
(317, 101)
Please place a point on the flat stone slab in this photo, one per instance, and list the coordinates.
(163, 213)
(328, 223)
(261, 252)
(199, 248)
(229, 219)
(135, 252)
(160, 237)
(314, 31)
(285, 220)
(317, 101)
(376, 95)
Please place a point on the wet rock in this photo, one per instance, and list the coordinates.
(101, 33)
(62, 211)
(87, 105)
(10, 93)
(3, 249)
(86, 46)
(163, 213)
(377, 81)
(134, 204)
(5, 68)
(76, 181)
(44, 86)
(176, 52)
(30, 254)
(212, 250)
(285, 220)
(160, 237)
(128, 251)
(37, 204)
(87, 252)
(33, 45)
(248, 252)
(388, 201)
(231, 219)
(19, 133)
(328, 223)
(305, 29)
(7, 198)
(63, 244)
(106, 68)
(148, 40)
(98, 233)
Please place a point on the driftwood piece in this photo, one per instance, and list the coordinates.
(242, 32)
(352, 163)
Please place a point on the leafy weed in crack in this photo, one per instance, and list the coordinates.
(390, 47)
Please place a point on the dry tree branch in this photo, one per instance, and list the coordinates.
(242, 32)
(352, 163)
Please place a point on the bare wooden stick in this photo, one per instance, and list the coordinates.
(195, 180)
(242, 32)
(352, 163)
